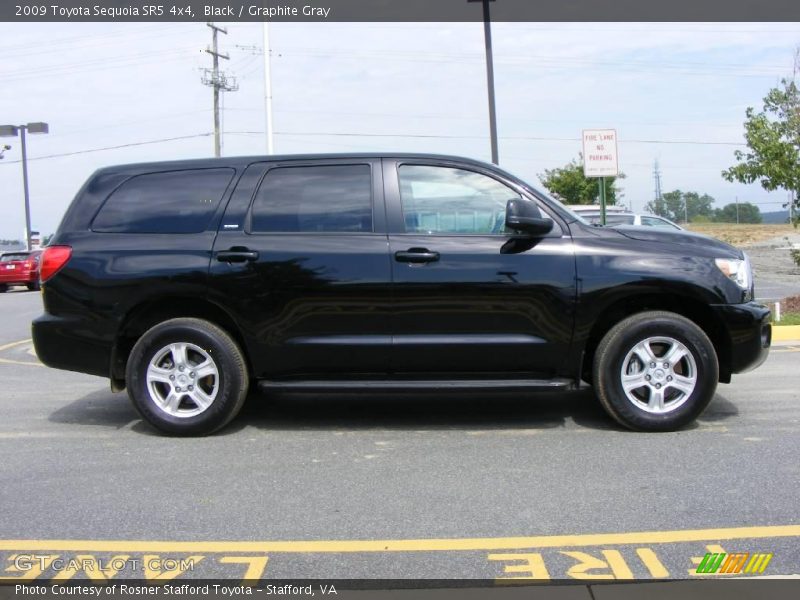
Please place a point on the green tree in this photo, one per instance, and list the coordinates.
(747, 213)
(571, 186)
(677, 205)
(773, 140)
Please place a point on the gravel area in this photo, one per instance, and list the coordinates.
(776, 274)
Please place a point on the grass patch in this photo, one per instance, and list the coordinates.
(791, 318)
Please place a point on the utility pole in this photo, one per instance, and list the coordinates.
(487, 37)
(266, 53)
(21, 130)
(268, 90)
(218, 81)
(657, 177)
(737, 209)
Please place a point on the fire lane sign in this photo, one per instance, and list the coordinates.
(600, 153)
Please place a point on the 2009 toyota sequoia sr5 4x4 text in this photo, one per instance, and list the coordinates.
(189, 281)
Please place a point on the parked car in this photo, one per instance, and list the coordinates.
(19, 268)
(619, 216)
(188, 282)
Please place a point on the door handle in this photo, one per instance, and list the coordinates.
(416, 255)
(237, 255)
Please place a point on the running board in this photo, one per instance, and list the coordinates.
(420, 384)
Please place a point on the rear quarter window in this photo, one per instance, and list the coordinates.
(165, 202)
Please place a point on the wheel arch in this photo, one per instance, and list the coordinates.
(145, 315)
(695, 310)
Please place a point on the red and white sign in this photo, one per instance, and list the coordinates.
(600, 153)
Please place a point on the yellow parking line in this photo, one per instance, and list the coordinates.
(20, 362)
(409, 545)
(12, 344)
(9, 361)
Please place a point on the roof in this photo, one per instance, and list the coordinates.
(235, 161)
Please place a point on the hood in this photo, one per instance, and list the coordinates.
(681, 238)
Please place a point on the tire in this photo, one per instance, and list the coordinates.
(625, 359)
(3, 288)
(34, 287)
(197, 358)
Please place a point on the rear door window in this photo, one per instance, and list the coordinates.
(325, 198)
(167, 202)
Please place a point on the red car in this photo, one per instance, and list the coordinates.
(20, 268)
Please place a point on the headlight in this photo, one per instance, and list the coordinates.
(737, 271)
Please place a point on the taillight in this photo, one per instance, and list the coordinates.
(53, 258)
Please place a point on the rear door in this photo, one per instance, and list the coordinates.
(301, 260)
(469, 296)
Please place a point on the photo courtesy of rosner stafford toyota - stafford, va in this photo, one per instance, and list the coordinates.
(355, 299)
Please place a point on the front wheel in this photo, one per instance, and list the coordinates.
(187, 377)
(655, 371)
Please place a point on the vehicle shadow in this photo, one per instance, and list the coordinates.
(423, 411)
(412, 411)
(719, 409)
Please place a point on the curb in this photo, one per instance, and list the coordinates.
(785, 333)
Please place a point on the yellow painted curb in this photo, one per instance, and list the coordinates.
(785, 333)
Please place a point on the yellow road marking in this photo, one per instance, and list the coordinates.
(650, 560)
(12, 344)
(9, 361)
(410, 545)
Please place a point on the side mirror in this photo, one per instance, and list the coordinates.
(522, 215)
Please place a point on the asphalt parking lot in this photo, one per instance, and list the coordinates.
(391, 486)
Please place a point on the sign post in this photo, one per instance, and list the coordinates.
(600, 160)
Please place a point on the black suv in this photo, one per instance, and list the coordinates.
(187, 281)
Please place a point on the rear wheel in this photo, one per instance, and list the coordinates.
(3, 288)
(655, 371)
(34, 287)
(187, 377)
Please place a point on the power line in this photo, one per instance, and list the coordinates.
(129, 145)
(547, 61)
(479, 137)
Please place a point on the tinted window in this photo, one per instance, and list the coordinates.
(656, 222)
(306, 199)
(447, 200)
(173, 202)
(10, 257)
(618, 219)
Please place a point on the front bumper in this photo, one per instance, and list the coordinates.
(749, 334)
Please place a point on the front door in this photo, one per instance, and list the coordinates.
(470, 297)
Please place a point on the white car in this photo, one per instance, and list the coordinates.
(619, 216)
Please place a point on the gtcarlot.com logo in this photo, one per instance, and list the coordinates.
(741, 562)
(91, 564)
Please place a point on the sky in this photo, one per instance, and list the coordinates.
(675, 92)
